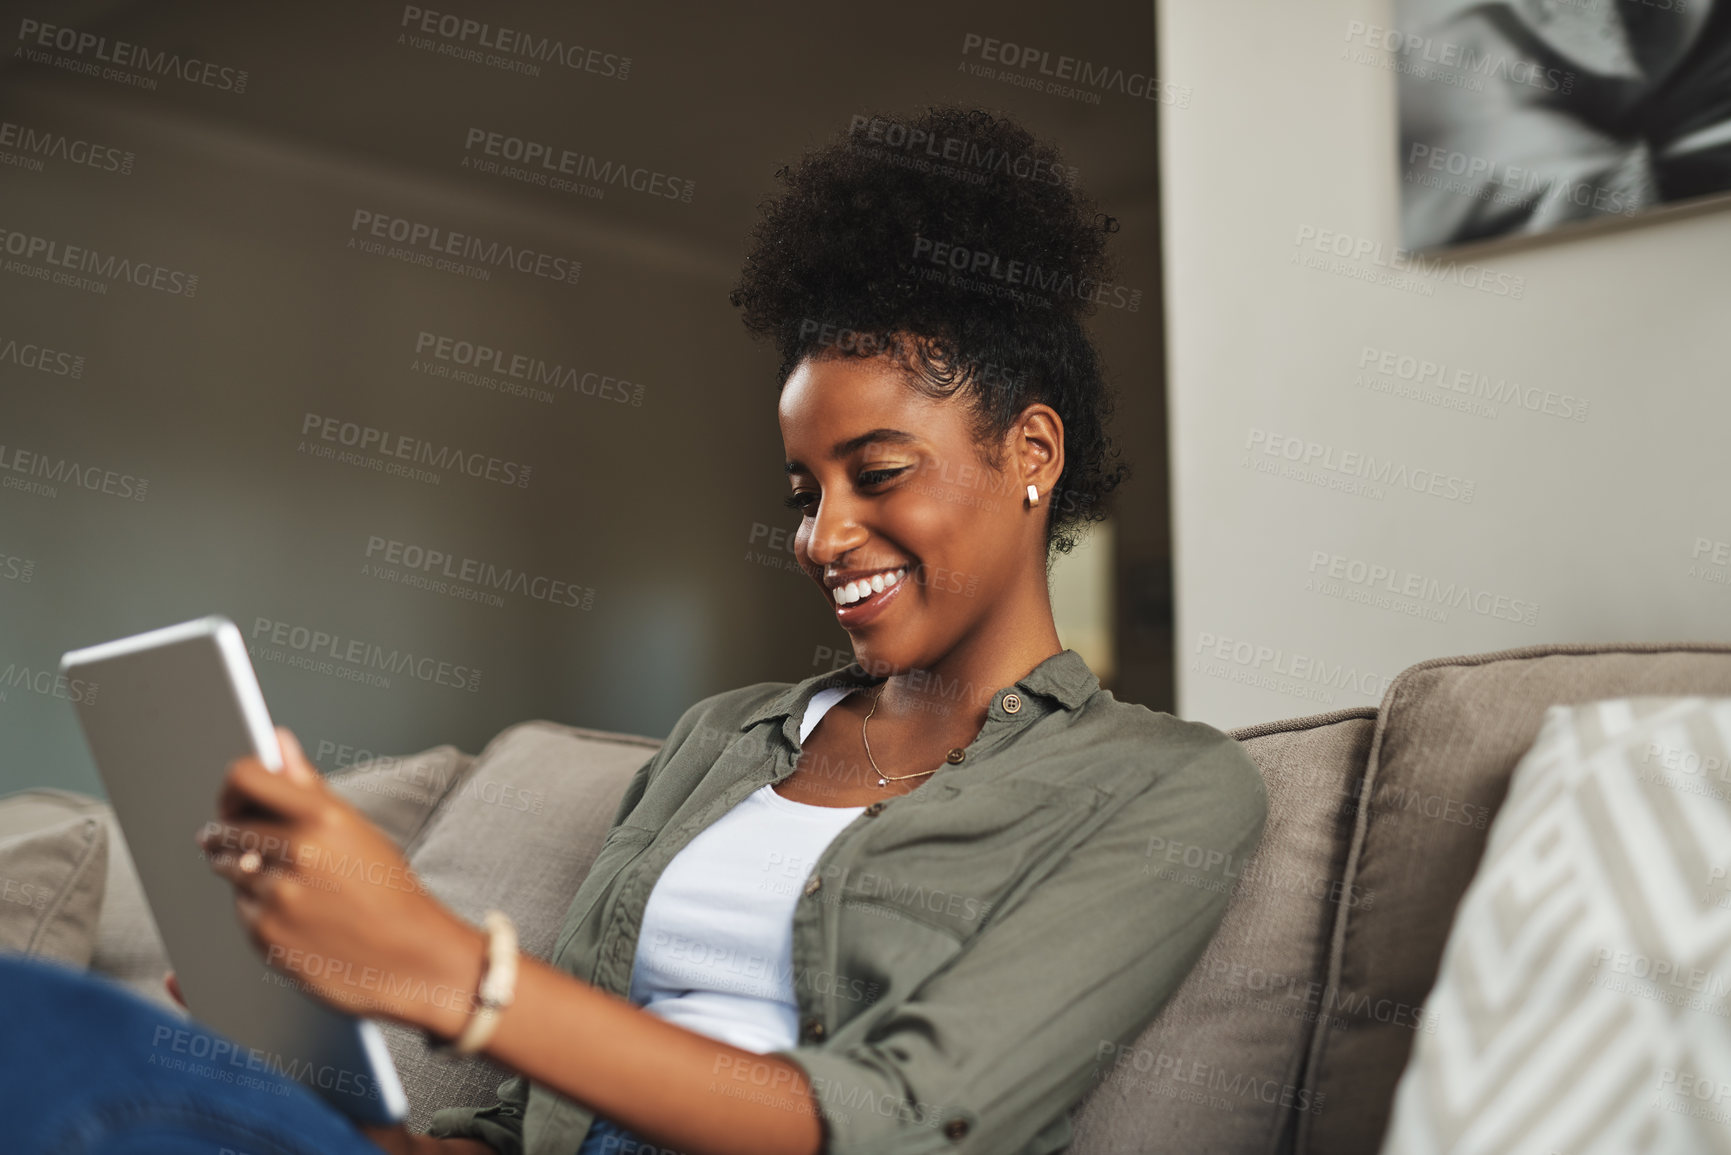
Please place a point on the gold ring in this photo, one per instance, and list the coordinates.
(250, 862)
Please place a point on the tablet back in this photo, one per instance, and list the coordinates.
(170, 709)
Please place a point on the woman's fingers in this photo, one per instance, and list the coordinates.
(225, 843)
(294, 760)
(173, 985)
(295, 792)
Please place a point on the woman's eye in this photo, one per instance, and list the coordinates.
(798, 501)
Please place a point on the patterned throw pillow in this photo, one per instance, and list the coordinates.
(1584, 1001)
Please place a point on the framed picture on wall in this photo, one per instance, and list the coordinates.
(1522, 116)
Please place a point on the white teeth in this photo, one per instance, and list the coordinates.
(847, 595)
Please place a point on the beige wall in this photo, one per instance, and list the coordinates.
(1591, 528)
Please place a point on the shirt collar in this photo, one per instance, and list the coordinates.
(1064, 677)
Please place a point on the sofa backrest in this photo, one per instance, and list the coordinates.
(1219, 1069)
(1448, 734)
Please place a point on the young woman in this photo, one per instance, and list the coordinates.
(910, 905)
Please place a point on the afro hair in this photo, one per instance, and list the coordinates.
(957, 245)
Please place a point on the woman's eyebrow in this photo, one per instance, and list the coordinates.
(843, 448)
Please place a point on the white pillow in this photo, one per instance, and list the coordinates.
(1584, 1000)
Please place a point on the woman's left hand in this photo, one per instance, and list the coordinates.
(330, 900)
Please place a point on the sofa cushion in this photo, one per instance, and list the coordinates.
(1219, 1069)
(1586, 982)
(53, 871)
(1449, 733)
(517, 833)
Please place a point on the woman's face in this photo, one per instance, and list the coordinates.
(890, 482)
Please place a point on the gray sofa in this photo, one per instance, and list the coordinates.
(1290, 1034)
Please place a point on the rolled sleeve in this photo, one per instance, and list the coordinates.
(499, 1126)
(990, 1052)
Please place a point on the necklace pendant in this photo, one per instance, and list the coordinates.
(881, 782)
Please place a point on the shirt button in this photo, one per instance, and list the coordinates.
(811, 885)
(1012, 703)
(956, 1130)
(814, 1028)
(955, 755)
(875, 809)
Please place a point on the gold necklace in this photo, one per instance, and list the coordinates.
(885, 779)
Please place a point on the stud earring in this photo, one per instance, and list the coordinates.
(1033, 496)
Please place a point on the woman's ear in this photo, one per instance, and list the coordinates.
(1038, 447)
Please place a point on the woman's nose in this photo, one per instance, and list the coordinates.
(834, 531)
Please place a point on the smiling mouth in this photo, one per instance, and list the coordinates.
(865, 589)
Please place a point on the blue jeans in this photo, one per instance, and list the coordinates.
(607, 1138)
(87, 1067)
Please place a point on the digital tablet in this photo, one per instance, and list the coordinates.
(170, 710)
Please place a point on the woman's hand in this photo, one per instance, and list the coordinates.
(327, 898)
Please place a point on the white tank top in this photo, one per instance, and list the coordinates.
(716, 951)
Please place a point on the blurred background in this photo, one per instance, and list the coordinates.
(294, 329)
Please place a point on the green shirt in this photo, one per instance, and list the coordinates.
(967, 957)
